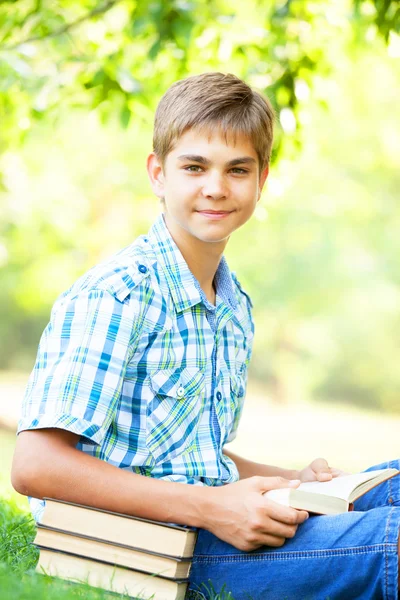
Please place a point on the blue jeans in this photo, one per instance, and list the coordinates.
(351, 556)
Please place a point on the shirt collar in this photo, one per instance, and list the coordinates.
(184, 287)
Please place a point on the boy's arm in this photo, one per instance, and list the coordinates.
(248, 468)
(317, 470)
(47, 464)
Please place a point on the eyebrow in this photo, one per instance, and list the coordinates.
(242, 160)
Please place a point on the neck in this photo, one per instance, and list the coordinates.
(201, 257)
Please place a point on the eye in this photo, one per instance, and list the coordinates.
(239, 171)
(193, 168)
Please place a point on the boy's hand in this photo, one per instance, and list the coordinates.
(319, 470)
(240, 515)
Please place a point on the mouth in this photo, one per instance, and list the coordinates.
(214, 214)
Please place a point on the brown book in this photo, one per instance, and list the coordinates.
(112, 553)
(330, 497)
(108, 577)
(146, 535)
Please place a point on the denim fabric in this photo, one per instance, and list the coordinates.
(351, 556)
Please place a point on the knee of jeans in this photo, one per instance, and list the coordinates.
(392, 464)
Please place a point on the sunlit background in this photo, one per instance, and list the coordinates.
(320, 256)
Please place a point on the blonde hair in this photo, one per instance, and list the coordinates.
(214, 100)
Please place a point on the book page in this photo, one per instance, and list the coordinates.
(341, 487)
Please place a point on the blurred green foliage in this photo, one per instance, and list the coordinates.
(79, 82)
(324, 272)
(117, 55)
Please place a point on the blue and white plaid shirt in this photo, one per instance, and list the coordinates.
(140, 365)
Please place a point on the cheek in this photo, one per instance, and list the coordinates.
(181, 186)
(252, 195)
(248, 188)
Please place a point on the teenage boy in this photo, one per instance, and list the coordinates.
(141, 374)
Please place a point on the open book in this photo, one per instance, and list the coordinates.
(330, 497)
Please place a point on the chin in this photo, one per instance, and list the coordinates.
(212, 239)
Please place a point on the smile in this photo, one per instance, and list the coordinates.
(213, 214)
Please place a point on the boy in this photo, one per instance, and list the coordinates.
(141, 374)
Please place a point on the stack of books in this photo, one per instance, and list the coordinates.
(115, 552)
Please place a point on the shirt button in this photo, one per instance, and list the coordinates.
(142, 269)
(180, 392)
(219, 396)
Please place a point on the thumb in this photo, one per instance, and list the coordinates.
(274, 483)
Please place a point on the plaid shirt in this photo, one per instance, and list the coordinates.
(140, 365)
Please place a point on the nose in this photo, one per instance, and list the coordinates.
(215, 186)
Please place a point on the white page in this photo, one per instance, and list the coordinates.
(341, 487)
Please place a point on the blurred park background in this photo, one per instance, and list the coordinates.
(79, 82)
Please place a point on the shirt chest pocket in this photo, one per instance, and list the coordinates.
(174, 412)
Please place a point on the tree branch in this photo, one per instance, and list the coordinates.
(98, 10)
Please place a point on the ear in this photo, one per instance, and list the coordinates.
(156, 174)
(263, 179)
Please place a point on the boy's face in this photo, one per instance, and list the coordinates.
(210, 185)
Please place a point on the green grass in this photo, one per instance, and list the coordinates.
(18, 558)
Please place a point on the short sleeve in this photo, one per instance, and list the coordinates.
(81, 362)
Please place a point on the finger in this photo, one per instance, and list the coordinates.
(263, 539)
(338, 473)
(320, 464)
(272, 483)
(321, 469)
(285, 514)
(281, 529)
(276, 535)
